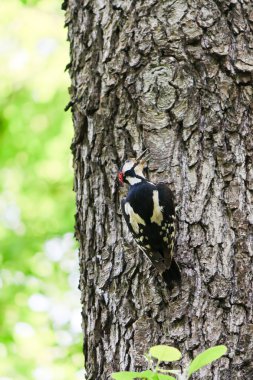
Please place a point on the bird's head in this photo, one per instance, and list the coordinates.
(132, 170)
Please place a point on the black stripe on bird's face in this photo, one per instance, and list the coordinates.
(130, 173)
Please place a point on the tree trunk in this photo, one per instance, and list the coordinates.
(173, 76)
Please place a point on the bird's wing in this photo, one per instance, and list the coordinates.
(159, 260)
(166, 201)
(127, 217)
(132, 220)
(169, 220)
(160, 254)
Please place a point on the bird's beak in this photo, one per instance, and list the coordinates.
(138, 159)
(121, 178)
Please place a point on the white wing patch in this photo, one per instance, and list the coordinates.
(157, 216)
(135, 219)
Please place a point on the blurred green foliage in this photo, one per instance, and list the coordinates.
(40, 314)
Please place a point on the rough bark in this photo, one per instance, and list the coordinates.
(173, 76)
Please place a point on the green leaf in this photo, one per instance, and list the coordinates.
(146, 375)
(125, 375)
(205, 358)
(165, 377)
(154, 376)
(165, 353)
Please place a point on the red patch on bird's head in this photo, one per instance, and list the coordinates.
(121, 178)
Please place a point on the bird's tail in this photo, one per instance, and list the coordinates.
(172, 275)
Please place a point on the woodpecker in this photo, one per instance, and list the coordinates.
(149, 212)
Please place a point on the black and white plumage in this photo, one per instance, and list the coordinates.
(150, 216)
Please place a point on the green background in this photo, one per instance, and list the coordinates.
(40, 333)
